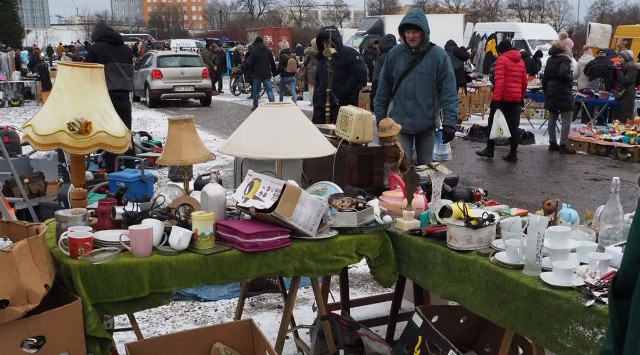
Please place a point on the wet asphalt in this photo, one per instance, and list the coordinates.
(581, 180)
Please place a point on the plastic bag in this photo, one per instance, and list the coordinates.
(499, 129)
(441, 150)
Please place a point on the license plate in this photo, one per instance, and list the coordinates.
(183, 88)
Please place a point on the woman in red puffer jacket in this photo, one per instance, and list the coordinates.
(510, 85)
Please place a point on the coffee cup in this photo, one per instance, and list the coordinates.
(558, 236)
(513, 224)
(514, 249)
(558, 254)
(563, 271)
(76, 243)
(584, 248)
(77, 229)
(159, 236)
(140, 240)
(179, 238)
(599, 261)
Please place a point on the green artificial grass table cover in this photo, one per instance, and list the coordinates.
(127, 284)
(552, 317)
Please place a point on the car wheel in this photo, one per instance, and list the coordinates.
(206, 101)
(151, 103)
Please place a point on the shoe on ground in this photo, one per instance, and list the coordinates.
(253, 108)
(249, 97)
(513, 158)
(214, 93)
(220, 92)
(486, 153)
(564, 150)
(554, 147)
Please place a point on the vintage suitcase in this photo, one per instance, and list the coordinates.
(250, 235)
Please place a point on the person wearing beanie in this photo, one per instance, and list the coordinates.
(261, 65)
(601, 68)
(510, 85)
(557, 82)
(426, 97)
(626, 74)
(284, 44)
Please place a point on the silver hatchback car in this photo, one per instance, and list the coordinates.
(161, 75)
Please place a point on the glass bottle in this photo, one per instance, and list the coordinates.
(611, 220)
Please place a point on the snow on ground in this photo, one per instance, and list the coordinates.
(265, 309)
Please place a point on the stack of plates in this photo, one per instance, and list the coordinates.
(109, 238)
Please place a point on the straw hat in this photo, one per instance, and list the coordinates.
(388, 128)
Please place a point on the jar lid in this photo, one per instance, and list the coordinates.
(76, 215)
(202, 215)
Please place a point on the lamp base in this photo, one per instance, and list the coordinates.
(78, 198)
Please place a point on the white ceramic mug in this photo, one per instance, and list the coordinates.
(513, 224)
(179, 238)
(515, 249)
(584, 248)
(159, 236)
(558, 254)
(558, 236)
(563, 271)
(76, 229)
(599, 261)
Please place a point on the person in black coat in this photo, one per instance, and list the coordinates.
(109, 49)
(347, 74)
(601, 68)
(262, 66)
(457, 56)
(384, 45)
(221, 63)
(556, 83)
(537, 60)
(529, 63)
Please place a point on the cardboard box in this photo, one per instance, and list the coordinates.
(243, 336)
(453, 330)
(56, 324)
(274, 201)
(352, 219)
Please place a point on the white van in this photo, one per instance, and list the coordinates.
(528, 36)
(192, 45)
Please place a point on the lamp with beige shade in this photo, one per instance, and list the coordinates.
(78, 117)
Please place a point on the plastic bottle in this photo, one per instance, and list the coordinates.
(611, 220)
(214, 199)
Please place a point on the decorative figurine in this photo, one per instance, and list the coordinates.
(567, 216)
(411, 180)
(549, 208)
(395, 159)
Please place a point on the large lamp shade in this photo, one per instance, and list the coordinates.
(78, 116)
(277, 130)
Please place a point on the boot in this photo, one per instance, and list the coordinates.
(511, 157)
(554, 147)
(564, 150)
(488, 151)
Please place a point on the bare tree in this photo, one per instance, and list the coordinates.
(456, 6)
(561, 14)
(337, 13)
(168, 23)
(487, 10)
(298, 12)
(382, 7)
(425, 5)
(626, 14)
(255, 8)
(600, 11)
(531, 10)
(218, 13)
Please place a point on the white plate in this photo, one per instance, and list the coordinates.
(497, 244)
(110, 235)
(572, 243)
(546, 262)
(547, 277)
(332, 233)
(501, 257)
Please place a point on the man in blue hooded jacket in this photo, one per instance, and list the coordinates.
(415, 101)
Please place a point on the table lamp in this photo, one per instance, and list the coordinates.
(184, 147)
(277, 130)
(79, 118)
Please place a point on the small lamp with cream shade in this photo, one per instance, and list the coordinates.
(184, 147)
(79, 118)
(277, 130)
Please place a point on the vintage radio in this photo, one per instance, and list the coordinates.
(355, 125)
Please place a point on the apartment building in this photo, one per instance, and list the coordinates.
(193, 11)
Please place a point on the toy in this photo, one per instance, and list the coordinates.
(549, 207)
(567, 216)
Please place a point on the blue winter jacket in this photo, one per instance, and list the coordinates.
(429, 87)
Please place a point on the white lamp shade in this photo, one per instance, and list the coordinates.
(277, 130)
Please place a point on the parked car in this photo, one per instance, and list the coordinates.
(161, 75)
